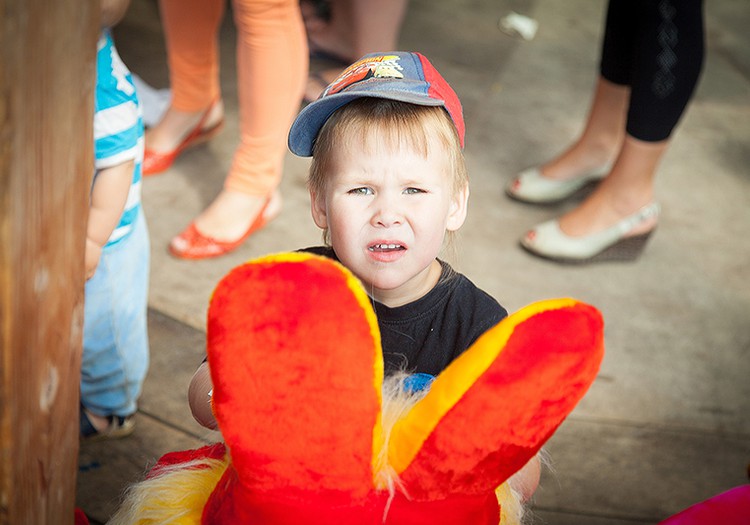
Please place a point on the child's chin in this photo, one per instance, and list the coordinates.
(382, 285)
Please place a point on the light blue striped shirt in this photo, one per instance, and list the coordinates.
(118, 126)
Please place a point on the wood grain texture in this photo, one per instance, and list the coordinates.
(47, 78)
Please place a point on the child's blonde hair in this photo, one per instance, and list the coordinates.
(393, 124)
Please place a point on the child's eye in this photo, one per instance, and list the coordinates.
(412, 191)
(361, 191)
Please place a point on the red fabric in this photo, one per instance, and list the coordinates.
(80, 517)
(440, 89)
(296, 364)
(314, 508)
(514, 407)
(233, 503)
(728, 508)
(215, 451)
(455, 510)
(292, 355)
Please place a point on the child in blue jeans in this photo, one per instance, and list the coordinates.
(115, 341)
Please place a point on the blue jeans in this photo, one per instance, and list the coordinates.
(115, 338)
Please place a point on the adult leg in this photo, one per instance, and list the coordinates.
(190, 30)
(333, 37)
(272, 67)
(626, 189)
(668, 61)
(357, 27)
(601, 137)
(667, 58)
(593, 151)
(665, 63)
(604, 131)
(377, 25)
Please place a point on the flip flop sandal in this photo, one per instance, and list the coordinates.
(119, 427)
(156, 162)
(317, 77)
(331, 57)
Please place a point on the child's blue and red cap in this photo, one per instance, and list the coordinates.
(407, 77)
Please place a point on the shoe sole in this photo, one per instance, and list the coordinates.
(125, 430)
(260, 222)
(121, 431)
(628, 249)
(579, 194)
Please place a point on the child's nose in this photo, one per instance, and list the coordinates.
(387, 211)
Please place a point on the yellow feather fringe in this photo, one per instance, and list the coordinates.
(175, 497)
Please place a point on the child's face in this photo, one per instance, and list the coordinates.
(387, 211)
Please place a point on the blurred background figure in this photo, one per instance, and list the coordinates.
(115, 340)
(651, 59)
(272, 64)
(341, 31)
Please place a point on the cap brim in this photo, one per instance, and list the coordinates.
(306, 126)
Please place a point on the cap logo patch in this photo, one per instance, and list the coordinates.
(383, 66)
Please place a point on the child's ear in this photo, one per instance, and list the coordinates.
(318, 210)
(458, 209)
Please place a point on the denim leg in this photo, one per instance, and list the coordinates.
(115, 338)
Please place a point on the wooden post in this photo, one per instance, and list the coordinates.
(47, 75)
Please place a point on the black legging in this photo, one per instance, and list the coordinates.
(655, 47)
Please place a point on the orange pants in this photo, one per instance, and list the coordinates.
(272, 63)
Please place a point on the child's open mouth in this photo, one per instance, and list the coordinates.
(386, 247)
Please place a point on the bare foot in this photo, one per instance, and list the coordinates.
(100, 423)
(581, 158)
(602, 209)
(325, 38)
(176, 125)
(231, 213)
(602, 137)
(628, 188)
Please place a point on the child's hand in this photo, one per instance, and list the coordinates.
(526, 480)
(93, 254)
(199, 397)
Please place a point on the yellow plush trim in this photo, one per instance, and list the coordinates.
(410, 433)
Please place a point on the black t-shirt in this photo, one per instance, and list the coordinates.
(427, 334)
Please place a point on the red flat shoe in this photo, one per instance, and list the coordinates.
(192, 244)
(155, 162)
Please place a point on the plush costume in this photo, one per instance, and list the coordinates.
(296, 363)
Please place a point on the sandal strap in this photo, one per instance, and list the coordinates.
(86, 428)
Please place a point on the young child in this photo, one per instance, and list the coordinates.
(115, 342)
(387, 182)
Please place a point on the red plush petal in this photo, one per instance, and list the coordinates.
(295, 357)
(512, 407)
